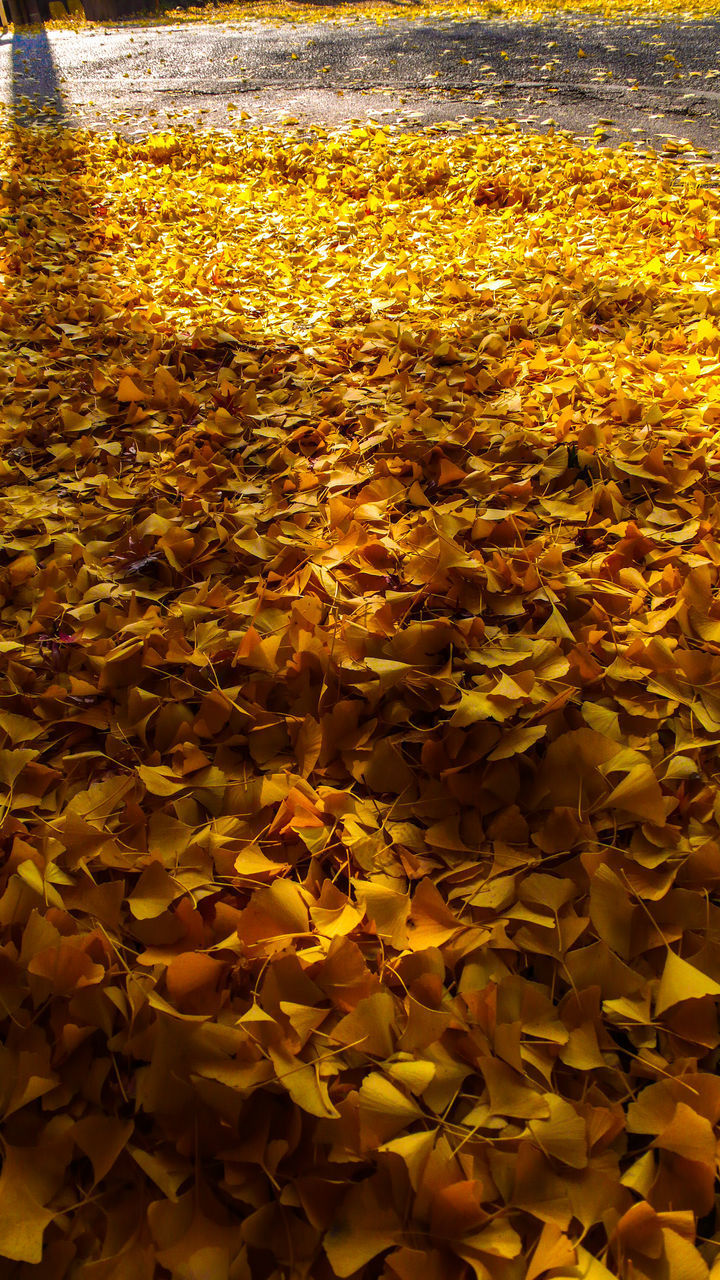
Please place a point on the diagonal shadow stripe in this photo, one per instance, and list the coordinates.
(35, 79)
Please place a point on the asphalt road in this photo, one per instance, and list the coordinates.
(653, 82)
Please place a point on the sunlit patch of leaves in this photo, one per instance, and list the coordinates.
(358, 698)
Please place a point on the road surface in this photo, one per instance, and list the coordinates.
(653, 82)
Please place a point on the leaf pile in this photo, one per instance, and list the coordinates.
(360, 707)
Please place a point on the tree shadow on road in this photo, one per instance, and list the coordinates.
(35, 81)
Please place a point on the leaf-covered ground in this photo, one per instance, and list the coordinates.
(360, 704)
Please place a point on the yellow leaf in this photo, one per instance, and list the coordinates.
(22, 1219)
(102, 1139)
(129, 390)
(153, 893)
(377, 1093)
(160, 782)
(363, 1227)
(370, 1025)
(308, 745)
(689, 1135)
(682, 981)
(304, 1084)
(414, 1075)
(552, 1252)
(563, 1135)
(640, 794)
(518, 740)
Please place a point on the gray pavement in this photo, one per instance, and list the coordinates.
(650, 81)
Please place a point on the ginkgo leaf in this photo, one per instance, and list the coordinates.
(378, 1094)
(192, 976)
(128, 390)
(370, 1025)
(688, 1134)
(12, 763)
(414, 1149)
(563, 1134)
(415, 1076)
(160, 782)
(588, 1267)
(363, 1228)
(517, 740)
(304, 1085)
(682, 981)
(102, 1138)
(308, 745)
(683, 1258)
(19, 728)
(22, 1219)
(553, 1252)
(639, 793)
(153, 893)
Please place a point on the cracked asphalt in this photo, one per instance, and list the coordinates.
(655, 83)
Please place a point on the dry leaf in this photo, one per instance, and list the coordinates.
(358, 702)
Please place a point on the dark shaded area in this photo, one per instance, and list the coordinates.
(35, 79)
(118, 10)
